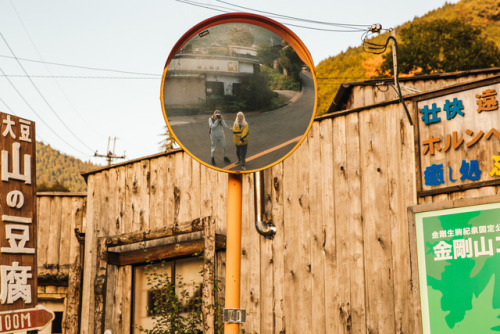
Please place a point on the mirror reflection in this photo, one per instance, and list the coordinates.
(238, 97)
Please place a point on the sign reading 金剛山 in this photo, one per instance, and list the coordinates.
(17, 213)
(459, 269)
(459, 137)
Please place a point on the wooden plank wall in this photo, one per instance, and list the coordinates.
(58, 250)
(152, 193)
(471, 193)
(362, 96)
(340, 260)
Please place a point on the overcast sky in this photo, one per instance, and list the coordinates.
(77, 109)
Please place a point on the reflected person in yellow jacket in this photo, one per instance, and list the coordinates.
(240, 138)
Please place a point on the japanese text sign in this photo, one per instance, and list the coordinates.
(17, 213)
(459, 138)
(459, 269)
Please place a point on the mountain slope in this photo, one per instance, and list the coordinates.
(354, 64)
(53, 167)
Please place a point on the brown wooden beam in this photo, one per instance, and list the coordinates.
(462, 187)
(134, 237)
(155, 253)
(162, 252)
(52, 280)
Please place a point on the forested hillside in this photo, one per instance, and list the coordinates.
(58, 171)
(355, 64)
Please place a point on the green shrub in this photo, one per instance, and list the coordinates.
(279, 81)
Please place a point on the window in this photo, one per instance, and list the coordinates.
(155, 283)
(215, 88)
(236, 88)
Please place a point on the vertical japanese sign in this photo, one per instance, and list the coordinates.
(459, 269)
(459, 138)
(18, 213)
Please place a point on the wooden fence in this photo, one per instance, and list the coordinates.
(61, 221)
(340, 261)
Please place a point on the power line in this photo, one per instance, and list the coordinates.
(339, 78)
(74, 77)
(42, 96)
(197, 4)
(371, 47)
(381, 48)
(322, 29)
(7, 106)
(89, 126)
(333, 82)
(34, 111)
(352, 27)
(79, 66)
(345, 25)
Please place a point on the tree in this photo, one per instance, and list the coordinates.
(167, 143)
(241, 36)
(290, 62)
(254, 93)
(56, 186)
(267, 54)
(442, 46)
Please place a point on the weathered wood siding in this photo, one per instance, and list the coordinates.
(160, 192)
(365, 95)
(340, 260)
(471, 193)
(59, 254)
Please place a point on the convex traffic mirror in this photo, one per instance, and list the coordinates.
(239, 92)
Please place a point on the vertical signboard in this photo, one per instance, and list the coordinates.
(459, 138)
(459, 269)
(17, 213)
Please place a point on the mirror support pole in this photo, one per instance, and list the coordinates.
(233, 248)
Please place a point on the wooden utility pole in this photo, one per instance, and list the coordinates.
(110, 155)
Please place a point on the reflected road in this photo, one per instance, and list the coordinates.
(272, 134)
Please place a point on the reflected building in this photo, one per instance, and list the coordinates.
(192, 77)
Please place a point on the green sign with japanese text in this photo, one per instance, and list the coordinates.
(459, 269)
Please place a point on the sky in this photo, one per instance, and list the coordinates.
(114, 53)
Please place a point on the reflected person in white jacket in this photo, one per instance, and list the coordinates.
(216, 124)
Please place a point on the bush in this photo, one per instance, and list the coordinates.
(173, 313)
(55, 186)
(173, 309)
(279, 81)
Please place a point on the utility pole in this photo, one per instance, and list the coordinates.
(110, 155)
(380, 48)
(396, 72)
(395, 61)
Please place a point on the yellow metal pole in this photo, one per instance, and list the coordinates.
(233, 248)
